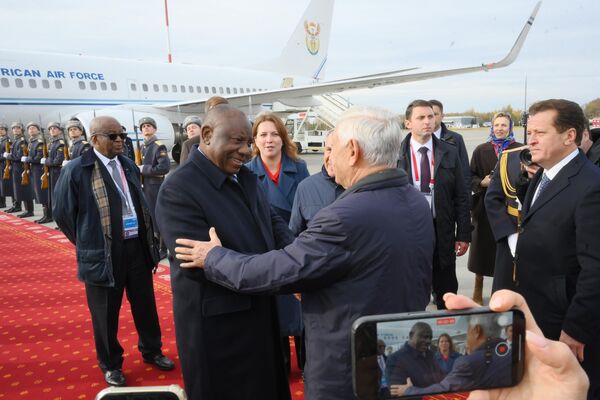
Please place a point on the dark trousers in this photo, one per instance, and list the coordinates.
(105, 303)
(443, 280)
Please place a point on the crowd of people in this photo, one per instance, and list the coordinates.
(249, 233)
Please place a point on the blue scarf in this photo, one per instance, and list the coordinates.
(501, 144)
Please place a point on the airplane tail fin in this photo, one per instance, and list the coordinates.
(306, 51)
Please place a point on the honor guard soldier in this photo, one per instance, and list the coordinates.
(56, 155)
(78, 143)
(21, 187)
(36, 153)
(5, 178)
(155, 165)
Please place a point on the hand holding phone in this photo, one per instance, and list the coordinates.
(551, 370)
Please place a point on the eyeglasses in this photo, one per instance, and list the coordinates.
(112, 136)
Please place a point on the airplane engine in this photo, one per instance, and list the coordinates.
(165, 131)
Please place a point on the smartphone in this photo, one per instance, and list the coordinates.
(171, 392)
(423, 354)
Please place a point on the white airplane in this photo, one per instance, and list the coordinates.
(45, 87)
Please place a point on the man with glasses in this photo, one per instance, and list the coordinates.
(101, 209)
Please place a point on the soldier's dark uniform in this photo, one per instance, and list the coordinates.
(23, 193)
(502, 203)
(155, 165)
(36, 153)
(5, 184)
(56, 156)
(78, 147)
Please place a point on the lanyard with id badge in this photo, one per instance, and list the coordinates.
(428, 196)
(130, 221)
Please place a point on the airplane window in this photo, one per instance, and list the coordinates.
(228, 90)
(165, 88)
(5, 82)
(199, 89)
(45, 84)
(220, 90)
(19, 82)
(206, 89)
(32, 83)
(247, 90)
(191, 89)
(113, 86)
(93, 86)
(155, 87)
(133, 87)
(144, 87)
(58, 84)
(214, 89)
(182, 88)
(103, 85)
(241, 90)
(234, 90)
(82, 85)
(174, 87)
(254, 89)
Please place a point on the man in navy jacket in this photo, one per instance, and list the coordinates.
(367, 253)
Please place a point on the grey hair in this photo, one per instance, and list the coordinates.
(488, 323)
(377, 131)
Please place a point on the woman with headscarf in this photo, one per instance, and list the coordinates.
(483, 161)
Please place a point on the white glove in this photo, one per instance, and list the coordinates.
(43, 161)
(512, 243)
(65, 162)
(24, 159)
(5, 154)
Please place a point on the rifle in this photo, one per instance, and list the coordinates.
(7, 166)
(25, 174)
(138, 148)
(46, 169)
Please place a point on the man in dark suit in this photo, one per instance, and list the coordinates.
(558, 248)
(36, 153)
(356, 257)
(228, 342)
(101, 209)
(17, 158)
(433, 167)
(414, 360)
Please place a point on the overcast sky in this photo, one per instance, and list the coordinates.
(560, 58)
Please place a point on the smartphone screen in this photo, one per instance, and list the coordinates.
(427, 354)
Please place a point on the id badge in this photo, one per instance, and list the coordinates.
(130, 226)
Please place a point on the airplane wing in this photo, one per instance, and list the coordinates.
(301, 95)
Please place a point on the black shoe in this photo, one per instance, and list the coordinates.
(13, 209)
(161, 361)
(26, 214)
(43, 220)
(115, 378)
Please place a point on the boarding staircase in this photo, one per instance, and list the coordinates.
(331, 108)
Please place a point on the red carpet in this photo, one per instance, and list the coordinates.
(46, 340)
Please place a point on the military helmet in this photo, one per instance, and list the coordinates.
(32, 123)
(192, 119)
(16, 125)
(148, 120)
(4, 125)
(54, 124)
(74, 123)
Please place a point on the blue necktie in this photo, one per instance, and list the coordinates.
(542, 186)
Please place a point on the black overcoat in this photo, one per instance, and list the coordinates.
(228, 342)
(450, 198)
(558, 258)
